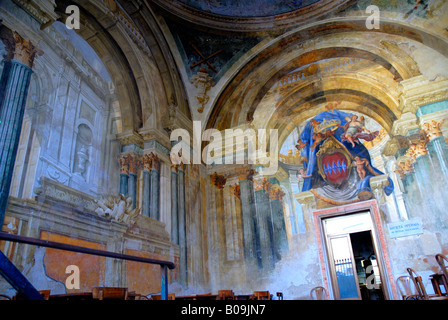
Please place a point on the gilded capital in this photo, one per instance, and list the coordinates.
(403, 167)
(218, 180)
(417, 149)
(262, 184)
(235, 190)
(124, 160)
(276, 193)
(246, 175)
(18, 48)
(151, 161)
(432, 129)
(134, 163)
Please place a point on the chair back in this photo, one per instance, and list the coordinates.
(262, 295)
(110, 293)
(407, 288)
(441, 259)
(226, 295)
(318, 293)
(418, 283)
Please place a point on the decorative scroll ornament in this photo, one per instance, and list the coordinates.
(117, 209)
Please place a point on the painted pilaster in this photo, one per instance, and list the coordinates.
(183, 272)
(155, 187)
(146, 194)
(264, 223)
(174, 204)
(134, 164)
(279, 236)
(248, 214)
(123, 161)
(14, 84)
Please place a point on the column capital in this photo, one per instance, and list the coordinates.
(261, 183)
(417, 149)
(235, 190)
(247, 174)
(432, 129)
(276, 193)
(18, 48)
(123, 161)
(404, 166)
(151, 161)
(218, 180)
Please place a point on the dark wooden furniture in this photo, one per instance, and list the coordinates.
(109, 293)
(418, 283)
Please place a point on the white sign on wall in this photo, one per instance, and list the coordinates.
(405, 228)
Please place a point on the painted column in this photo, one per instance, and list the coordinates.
(155, 187)
(14, 84)
(174, 204)
(182, 227)
(425, 178)
(264, 222)
(123, 160)
(437, 147)
(146, 195)
(248, 215)
(132, 181)
(279, 236)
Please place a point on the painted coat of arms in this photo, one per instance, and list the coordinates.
(338, 166)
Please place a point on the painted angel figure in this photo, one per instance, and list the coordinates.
(355, 129)
(302, 174)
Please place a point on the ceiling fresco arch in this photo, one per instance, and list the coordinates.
(313, 45)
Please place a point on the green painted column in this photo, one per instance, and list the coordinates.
(123, 160)
(14, 84)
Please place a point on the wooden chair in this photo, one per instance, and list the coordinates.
(418, 283)
(226, 295)
(171, 296)
(110, 293)
(318, 293)
(262, 295)
(441, 259)
(280, 295)
(407, 289)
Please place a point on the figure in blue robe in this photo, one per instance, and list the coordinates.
(311, 140)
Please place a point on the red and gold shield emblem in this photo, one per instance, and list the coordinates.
(334, 161)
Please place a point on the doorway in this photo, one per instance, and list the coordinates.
(353, 260)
